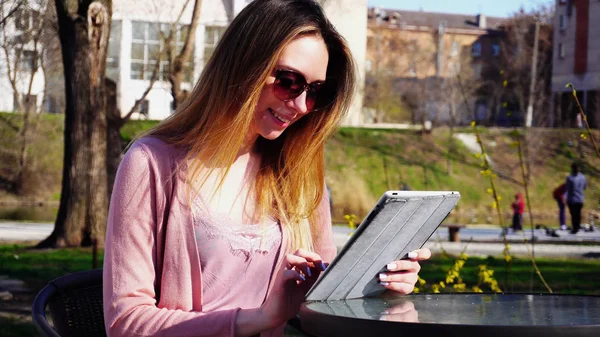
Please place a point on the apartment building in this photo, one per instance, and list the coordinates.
(576, 60)
(136, 43)
(419, 51)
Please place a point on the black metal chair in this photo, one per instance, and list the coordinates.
(74, 302)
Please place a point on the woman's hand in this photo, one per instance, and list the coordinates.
(300, 272)
(403, 274)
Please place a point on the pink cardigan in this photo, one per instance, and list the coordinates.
(152, 275)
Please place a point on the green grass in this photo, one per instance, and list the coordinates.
(37, 267)
(564, 276)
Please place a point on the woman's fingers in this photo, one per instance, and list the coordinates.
(313, 257)
(419, 254)
(293, 275)
(398, 277)
(399, 287)
(404, 265)
(304, 261)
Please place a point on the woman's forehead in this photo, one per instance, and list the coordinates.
(307, 55)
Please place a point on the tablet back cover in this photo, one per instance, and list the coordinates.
(402, 221)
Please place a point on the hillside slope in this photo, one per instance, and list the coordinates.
(361, 164)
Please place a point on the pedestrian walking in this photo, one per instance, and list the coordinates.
(575, 185)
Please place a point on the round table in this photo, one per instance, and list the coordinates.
(444, 315)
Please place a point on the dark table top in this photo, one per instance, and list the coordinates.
(455, 315)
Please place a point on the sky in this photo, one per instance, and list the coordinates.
(501, 8)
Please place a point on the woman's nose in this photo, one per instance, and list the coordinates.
(299, 103)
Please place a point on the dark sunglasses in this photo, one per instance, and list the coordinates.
(290, 84)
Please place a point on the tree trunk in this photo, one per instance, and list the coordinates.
(177, 66)
(83, 206)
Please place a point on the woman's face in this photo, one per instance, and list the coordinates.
(306, 56)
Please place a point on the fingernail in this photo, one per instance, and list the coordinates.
(323, 266)
(382, 318)
(413, 255)
(385, 284)
(385, 313)
(308, 271)
(391, 266)
(302, 277)
(382, 277)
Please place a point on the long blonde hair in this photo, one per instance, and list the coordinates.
(212, 123)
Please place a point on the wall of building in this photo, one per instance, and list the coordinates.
(563, 68)
(350, 19)
(213, 13)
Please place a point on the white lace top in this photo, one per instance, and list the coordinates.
(236, 259)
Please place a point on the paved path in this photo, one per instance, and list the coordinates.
(24, 231)
(482, 241)
(488, 241)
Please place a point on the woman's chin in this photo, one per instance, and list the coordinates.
(272, 134)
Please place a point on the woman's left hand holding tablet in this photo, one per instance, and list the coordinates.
(402, 275)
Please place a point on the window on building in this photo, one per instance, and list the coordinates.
(148, 46)
(412, 69)
(561, 50)
(24, 19)
(412, 45)
(114, 46)
(28, 61)
(454, 50)
(495, 49)
(455, 68)
(212, 35)
(477, 49)
(477, 69)
(563, 22)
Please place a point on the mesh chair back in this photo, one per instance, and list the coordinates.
(74, 302)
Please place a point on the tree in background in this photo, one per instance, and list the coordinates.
(84, 200)
(508, 80)
(179, 58)
(26, 41)
(170, 62)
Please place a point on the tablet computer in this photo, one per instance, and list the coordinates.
(400, 222)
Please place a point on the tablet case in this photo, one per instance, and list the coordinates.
(400, 222)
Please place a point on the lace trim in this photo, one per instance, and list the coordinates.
(244, 239)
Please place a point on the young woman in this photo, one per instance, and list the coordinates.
(219, 221)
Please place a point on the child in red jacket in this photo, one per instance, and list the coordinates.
(518, 207)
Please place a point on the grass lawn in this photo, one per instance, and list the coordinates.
(36, 268)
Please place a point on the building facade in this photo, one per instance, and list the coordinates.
(136, 49)
(576, 60)
(420, 53)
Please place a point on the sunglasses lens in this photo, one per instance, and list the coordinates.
(288, 85)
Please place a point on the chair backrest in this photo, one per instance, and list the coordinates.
(74, 302)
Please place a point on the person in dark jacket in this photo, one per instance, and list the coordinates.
(576, 185)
